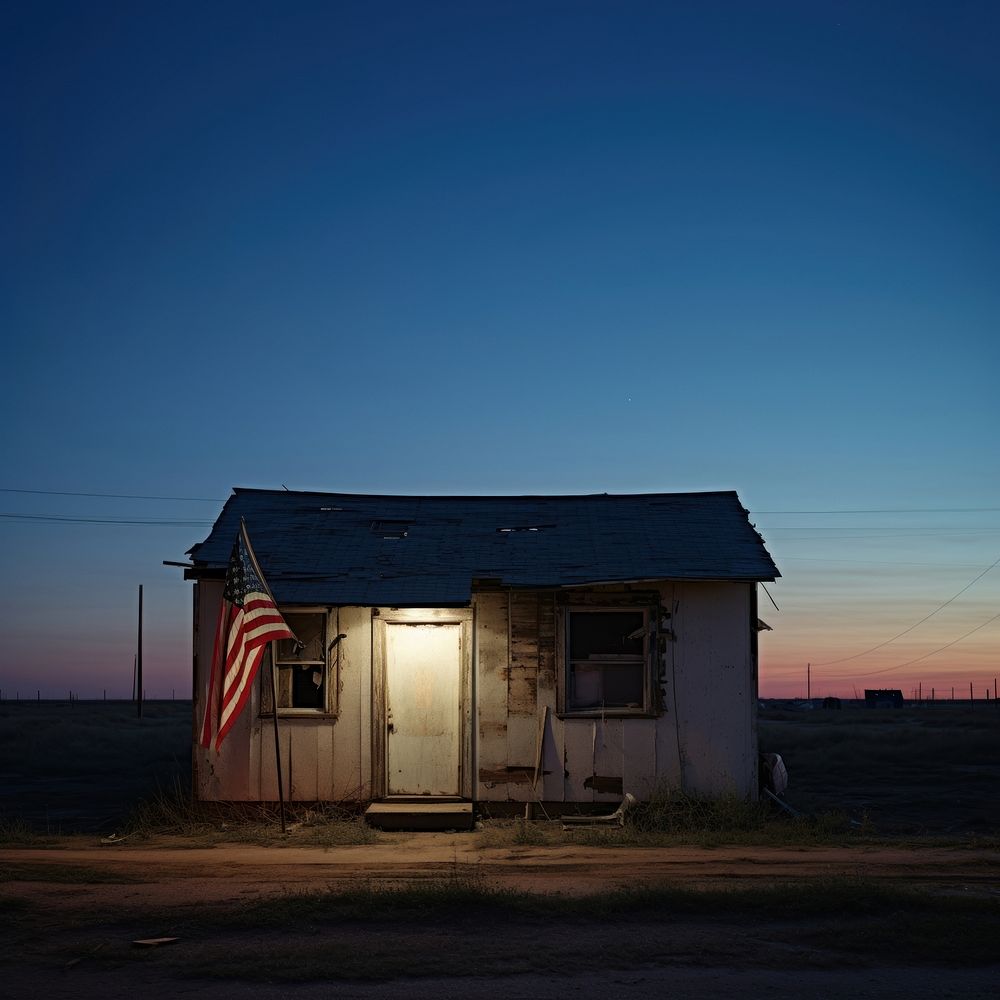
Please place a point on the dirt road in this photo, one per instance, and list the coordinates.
(81, 905)
(171, 872)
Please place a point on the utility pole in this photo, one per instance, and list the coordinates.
(808, 682)
(138, 660)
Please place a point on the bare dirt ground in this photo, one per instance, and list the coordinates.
(173, 873)
(92, 912)
(677, 981)
(70, 912)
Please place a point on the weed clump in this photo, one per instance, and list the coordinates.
(670, 817)
(173, 811)
(675, 812)
(15, 831)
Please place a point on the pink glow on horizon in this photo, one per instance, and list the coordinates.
(783, 674)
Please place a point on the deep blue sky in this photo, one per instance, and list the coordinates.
(503, 248)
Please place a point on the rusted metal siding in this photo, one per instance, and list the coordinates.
(492, 672)
(522, 687)
(523, 709)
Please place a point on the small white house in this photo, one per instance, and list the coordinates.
(492, 650)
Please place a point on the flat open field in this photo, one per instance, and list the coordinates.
(907, 904)
(82, 767)
(933, 769)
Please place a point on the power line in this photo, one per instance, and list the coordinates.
(872, 562)
(898, 530)
(147, 522)
(947, 645)
(945, 533)
(886, 510)
(110, 496)
(844, 659)
(851, 510)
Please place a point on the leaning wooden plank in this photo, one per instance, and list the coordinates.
(540, 745)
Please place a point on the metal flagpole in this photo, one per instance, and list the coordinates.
(274, 693)
(277, 747)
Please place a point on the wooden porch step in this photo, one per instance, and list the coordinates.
(437, 815)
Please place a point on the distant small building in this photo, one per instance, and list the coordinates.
(884, 698)
(831, 703)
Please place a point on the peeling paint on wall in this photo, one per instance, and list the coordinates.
(604, 783)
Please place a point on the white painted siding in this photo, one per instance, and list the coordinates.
(703, 741)
(323, 758)
(716, 695)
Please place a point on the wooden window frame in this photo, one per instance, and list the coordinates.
(643, 711)
(330, 665)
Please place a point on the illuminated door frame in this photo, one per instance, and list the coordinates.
(380, 721)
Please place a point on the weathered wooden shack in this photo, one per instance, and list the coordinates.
(492, 650)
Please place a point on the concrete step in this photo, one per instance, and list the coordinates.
(410, 815)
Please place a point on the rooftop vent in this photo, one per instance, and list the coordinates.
(391, 529)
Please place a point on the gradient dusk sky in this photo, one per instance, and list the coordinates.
(508, 248)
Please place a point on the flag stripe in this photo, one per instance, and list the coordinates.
(248, 639)
(248, 621)
(246, 631)
(232, 713)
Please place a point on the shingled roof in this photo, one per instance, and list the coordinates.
(340, 548)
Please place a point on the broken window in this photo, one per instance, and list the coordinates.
(607, 652)
(302, 675)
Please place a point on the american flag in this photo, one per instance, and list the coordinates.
(248, 620)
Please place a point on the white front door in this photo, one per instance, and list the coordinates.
(423, 710)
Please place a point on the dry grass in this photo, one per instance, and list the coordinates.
(670, 818)
(97, 767)
(379, 934)
(173, 812)
(931, 770)
(81, 766)
(855, 773)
